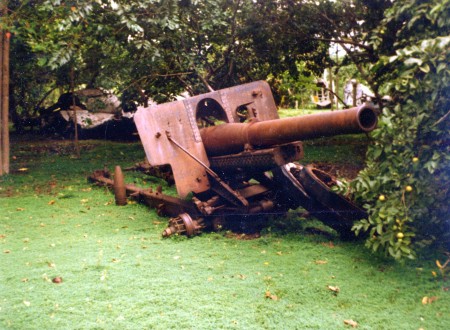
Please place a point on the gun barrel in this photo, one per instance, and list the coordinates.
(232, 138)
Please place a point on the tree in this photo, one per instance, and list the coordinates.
(159, 48)
(400, 49)
(294, 90)
(406, 182)
(4, 93)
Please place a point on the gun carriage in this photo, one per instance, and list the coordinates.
(234, 161)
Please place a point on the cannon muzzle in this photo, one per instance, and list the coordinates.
(231, 138)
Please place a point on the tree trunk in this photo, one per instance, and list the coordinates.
(74, 108)
(1, 95)
(4, 96)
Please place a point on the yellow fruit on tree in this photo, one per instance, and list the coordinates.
(382, 198)
(400, 235)
(415, 159)
(408, 188)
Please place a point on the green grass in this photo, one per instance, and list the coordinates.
(118, 273)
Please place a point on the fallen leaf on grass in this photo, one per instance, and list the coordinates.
(321, 262)
(334, 289)
(269, 295)
(45, 278)
(23, 169)
(51, 202)
(24, 280)
(26, 303)
(329, 245)
(352, 323)
(429, 300)
(57, 280)
(104, 276)
(20, 209)
(2, 236)
(7, 251)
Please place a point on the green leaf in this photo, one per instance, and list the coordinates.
(380, 228)
(425, 68)
(412, 61)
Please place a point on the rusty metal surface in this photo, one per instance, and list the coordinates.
(120, 192)
(259, 160)
(152, 124)
(313, 192)
(165, 205)
(181, 120)
(184, 225)
(232, 152)
(233, 138)
(318, 185)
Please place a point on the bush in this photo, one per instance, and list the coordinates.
(406, 182)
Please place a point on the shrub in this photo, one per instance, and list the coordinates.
(406, 182)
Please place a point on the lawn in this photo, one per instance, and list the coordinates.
(117, 272)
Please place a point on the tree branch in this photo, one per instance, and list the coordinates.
(347, 41)
(441, 119)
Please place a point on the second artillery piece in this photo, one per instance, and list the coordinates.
(236, 160)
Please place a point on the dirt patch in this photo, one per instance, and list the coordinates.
(242, 236)
(347, 171)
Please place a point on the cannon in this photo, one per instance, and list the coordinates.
(234, 161)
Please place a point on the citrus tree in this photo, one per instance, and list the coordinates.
(406, 182)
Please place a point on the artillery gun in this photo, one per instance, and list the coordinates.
(234, 161)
